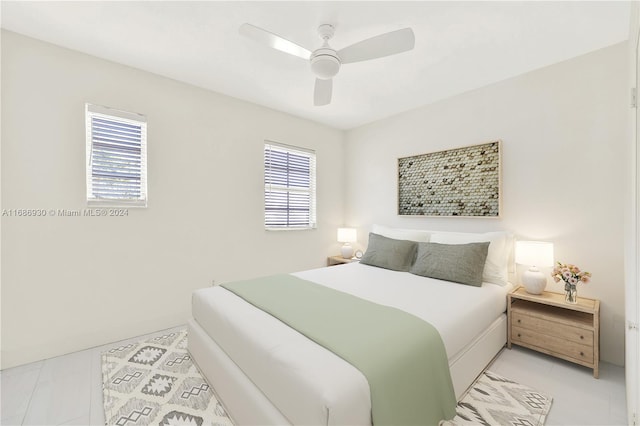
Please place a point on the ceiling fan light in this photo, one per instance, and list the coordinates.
(325, 66)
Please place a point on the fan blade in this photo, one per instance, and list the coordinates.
(274, 41)
(322, 92)
(379, 46)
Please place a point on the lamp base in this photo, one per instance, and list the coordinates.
(347, 251)
(534, 281)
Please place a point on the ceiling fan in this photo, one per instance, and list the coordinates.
(325, 61)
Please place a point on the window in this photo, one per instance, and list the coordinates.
(116, 157)
(289, 187)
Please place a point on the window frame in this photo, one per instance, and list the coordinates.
(118, 116)
(312, 190)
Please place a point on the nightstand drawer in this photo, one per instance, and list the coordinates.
(564, 331)
(555, 345)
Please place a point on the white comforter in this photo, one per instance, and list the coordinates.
(311, 385)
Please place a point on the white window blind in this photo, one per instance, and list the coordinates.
(116, 157)
(289, 187)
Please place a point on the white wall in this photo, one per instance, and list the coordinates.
(69, 283)
(632, 220)
(563, 130)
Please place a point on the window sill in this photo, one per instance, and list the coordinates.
(307, 228)
(117, 204)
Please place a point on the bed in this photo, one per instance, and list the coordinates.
(267, 373)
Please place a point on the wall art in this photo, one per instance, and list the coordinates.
(456, 182)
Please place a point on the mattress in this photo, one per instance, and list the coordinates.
(311, 385)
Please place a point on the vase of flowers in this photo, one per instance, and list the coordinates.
(571, 275)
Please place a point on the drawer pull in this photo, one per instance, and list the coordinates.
(581, 337)
(519, 321)
(518, 334)
(581, 353)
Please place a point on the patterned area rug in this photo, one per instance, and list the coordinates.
(494, 400)
(155, 382)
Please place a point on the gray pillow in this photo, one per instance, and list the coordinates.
(460, 263)
(388, 253)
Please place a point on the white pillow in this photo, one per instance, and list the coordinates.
(496, 267)
(417, 235)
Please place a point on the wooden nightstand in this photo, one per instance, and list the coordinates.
(546, 323)
(339, 260)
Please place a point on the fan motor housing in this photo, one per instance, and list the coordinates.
(325, 63)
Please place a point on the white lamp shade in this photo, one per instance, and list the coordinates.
(534, 253)
(347, 235)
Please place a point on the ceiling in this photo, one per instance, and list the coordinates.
(459, 46)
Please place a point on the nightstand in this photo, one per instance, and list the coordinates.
(339, 260)
(546, 323)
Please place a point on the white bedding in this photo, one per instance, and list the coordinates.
(311, 385)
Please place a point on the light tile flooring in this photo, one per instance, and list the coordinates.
(578, 398)
(67, 390)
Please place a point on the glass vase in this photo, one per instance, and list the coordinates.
(571, 294)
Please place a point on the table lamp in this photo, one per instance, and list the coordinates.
(535, 254)
(346, 236)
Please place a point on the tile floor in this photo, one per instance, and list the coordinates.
(67, 390)
(578, 398)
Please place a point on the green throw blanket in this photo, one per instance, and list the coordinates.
(402, 356)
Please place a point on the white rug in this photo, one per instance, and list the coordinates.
(155, 382)
(495, 400)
